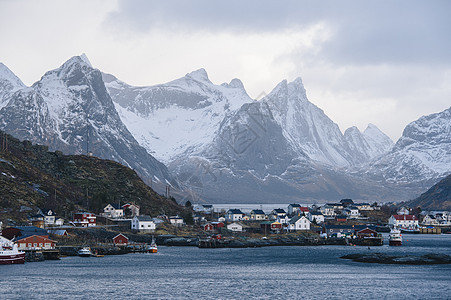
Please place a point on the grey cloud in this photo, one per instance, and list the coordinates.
(364, 31)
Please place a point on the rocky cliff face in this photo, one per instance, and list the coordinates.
(422, 155)
(70, 110)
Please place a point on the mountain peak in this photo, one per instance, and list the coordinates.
(7, 74)
(85, 59)
(199, 75)
(236, 83)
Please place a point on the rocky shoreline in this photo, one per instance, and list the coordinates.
(381, 258)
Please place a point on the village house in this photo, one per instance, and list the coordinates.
(430, 220)
(132, 209)
(143, 224)
(338, 207)
(352, 212)
(346, 202)
(120, 240)
(258, 215)
(403, 211)
(209, 227)
(277, 212)
(367, 232)
(113, 211)
(298, 223)
(37, 220)
(49, 216)
(176, 221)
(35, 242)
(234, 215)
(338, 230)
(221, 219)
(84, 219)
(293, 209)
(327, 211)
(363, 206)
(235, 227)
(315, 217)
(403, 221)
(59, 222)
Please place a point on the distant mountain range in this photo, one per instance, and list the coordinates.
(218, 144)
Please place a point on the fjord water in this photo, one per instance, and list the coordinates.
(257, 273)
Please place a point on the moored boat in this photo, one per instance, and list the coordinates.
(84, 252)
(153, 246)
(395, 238)
(9, 253)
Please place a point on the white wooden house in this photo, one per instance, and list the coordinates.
(143, 223)
(176, 221)
(298, 223)
(317, 217)
(113, 211)
(234, 215)
(235, 227)
(403, 221)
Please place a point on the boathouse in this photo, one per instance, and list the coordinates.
(120, 240)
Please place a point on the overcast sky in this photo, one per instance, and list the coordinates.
(380, 62)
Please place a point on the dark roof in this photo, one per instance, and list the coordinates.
(31, 230)
(316, 213)
(207, 205)
(116, 206)
(295, 205)
(279, 211)
(144, 218)
(258, 212)
(48, 212)
(235, 211)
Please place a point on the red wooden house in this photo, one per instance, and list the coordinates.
(85, 219)
(209, 227)
(35, 242)
(366, 233)
(120, 240)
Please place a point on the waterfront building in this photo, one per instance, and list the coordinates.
(120, 240)
(35, 242)
(403, 221)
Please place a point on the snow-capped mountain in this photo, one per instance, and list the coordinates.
(367, 145)
(9, 83)
(66, 106)
(422, 155)
(218, 143)
(224, 146)
(179, 117)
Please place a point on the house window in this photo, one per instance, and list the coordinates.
(142, 226)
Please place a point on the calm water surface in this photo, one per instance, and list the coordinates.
(257, 273)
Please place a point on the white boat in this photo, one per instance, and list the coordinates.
(9, 253)
(395, 238)
(85, 252)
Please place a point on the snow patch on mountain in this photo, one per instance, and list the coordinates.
(9, 83)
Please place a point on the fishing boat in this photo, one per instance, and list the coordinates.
(85, 252)
(9, 253)
(395, 238)
(153, 246)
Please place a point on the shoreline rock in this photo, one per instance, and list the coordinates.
(381, 258)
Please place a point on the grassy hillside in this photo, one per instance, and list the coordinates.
(33, 177)
(437, 197)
